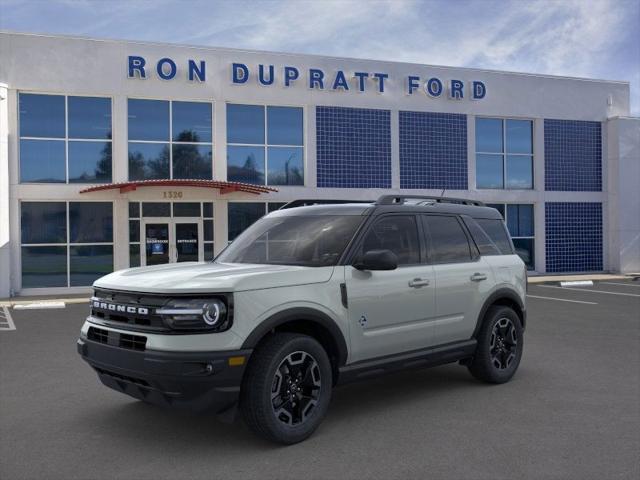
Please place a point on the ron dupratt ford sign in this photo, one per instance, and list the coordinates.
(314, 78)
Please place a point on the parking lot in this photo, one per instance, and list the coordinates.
(572, 410)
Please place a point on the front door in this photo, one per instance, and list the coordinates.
(170, 240)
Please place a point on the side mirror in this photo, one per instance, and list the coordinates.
(377, 260)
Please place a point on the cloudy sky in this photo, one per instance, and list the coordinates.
(583, 38)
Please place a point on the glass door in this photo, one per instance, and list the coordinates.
(156, 242)
(188, 240)
(170, 240)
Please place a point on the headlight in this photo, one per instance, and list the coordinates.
(196, 314)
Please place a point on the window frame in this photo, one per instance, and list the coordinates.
(67, 243)
(504, 154)
(266, 145)
(66, 139)
(170, 142)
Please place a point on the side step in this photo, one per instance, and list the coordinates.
(428, 357)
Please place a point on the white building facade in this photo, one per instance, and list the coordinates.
(117, 154)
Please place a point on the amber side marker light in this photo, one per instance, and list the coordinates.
(236, 361)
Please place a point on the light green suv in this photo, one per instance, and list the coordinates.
(312, 295)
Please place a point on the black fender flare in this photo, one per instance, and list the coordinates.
(495, 297)
(300, 314)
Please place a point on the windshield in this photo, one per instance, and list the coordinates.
(311, 241)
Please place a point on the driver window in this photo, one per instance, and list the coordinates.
(398, 233)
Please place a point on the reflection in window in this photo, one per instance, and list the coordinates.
(88, 263)
(396, 233)
(43, 222)
(504, 153)
(148, 120)
(44, 266)
(191, 122)
(42, 161)
(89, 162)
(192, 161)
(242, 215)
(449, 243)
(89, 117)
(42, 116)
(250, 154)
(520, 223)
(90, 222)
(148, 161)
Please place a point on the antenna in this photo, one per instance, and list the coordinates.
(442, 194)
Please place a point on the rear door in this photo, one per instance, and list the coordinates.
(391, 311)
(462, 277)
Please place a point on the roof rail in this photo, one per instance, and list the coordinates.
(400, 199)
(308, 202)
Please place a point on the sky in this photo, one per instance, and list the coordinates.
(580, 38)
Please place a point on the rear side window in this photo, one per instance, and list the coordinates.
(398, 233)
(485, 244)
(497, 233)
(448, 242)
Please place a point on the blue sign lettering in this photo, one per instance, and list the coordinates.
(163, 73)
(362, 77)
(316, 77)
(433, 87)
(136, 64)
(412, 84)
(479, 90)
(290, 74)
(455, 90)
(262, 79)
(381, 78)
(196, 71)
(340, 81)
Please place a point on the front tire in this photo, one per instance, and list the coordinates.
(500, 345)
(287, 388)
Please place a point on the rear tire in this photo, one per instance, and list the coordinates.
(500, 345)
(286, 389)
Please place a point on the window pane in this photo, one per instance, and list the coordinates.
(245, 124)
(156, 209)
(89, 117)
(41, 115)
(148, 161)
(44, 267)
(88, 263)
(134, 210)
(273, 206)
(519, 136)
(44, 222)
(524, 248)
(520, 220)
(134, 255)
(148, 120)
(284, 126)
(519, 171)
(497, 233)
(89, 162)
(449, 243)
(489, 135)
(192, 161)
(286, 166)
(134, 230)
(90, 222)
(245, 164)
(489, 171)
(484, 243)
(208, 230)
(208, 252)
(191, 121)
(242, 215)
(497, 206)
(398, 234)
(207, 210)
(42, 161)
(186, 209)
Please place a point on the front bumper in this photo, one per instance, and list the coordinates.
(193, 380)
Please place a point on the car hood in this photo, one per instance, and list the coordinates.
(196, 277)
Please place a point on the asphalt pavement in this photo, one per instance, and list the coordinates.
(571, 411)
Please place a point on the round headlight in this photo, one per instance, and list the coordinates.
(211, 313)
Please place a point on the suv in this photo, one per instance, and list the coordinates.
(308, 297)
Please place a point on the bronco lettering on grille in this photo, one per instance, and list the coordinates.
(120, 308)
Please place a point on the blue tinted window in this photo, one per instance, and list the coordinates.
(497, 206)
(134, 255)
(489, 135)
(185, 209)
(44, 222)
(41, 115)
(284, 126)
(489, 171)
(285, 166)
(44, 267)
(245, 164)
(208, 230)
(525, 250)
(148, 161)
(88, 263)
(156, 209)
(519, 171)
(520, 220)
(90, 222)
(89, 117)
(191, 122)
(245, 124)
(134, 230)
(42, 161)
(89, 162)
(192, 161)
(148, 120)
(242, 215)
(207, 210)
(519, 136)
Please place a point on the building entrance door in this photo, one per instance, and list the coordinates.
(171, 240)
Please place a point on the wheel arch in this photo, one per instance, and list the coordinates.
(307, 321)
(505, 297)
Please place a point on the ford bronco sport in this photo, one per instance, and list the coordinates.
(308, 297)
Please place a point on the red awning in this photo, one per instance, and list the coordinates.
(224, 187)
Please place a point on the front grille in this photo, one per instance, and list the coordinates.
(122, 340)
(128, 310)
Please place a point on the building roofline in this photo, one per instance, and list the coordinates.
(317, 55)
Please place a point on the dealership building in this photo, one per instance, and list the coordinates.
(116, 154)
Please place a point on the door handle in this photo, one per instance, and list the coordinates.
(478, 277)
(418, 282)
